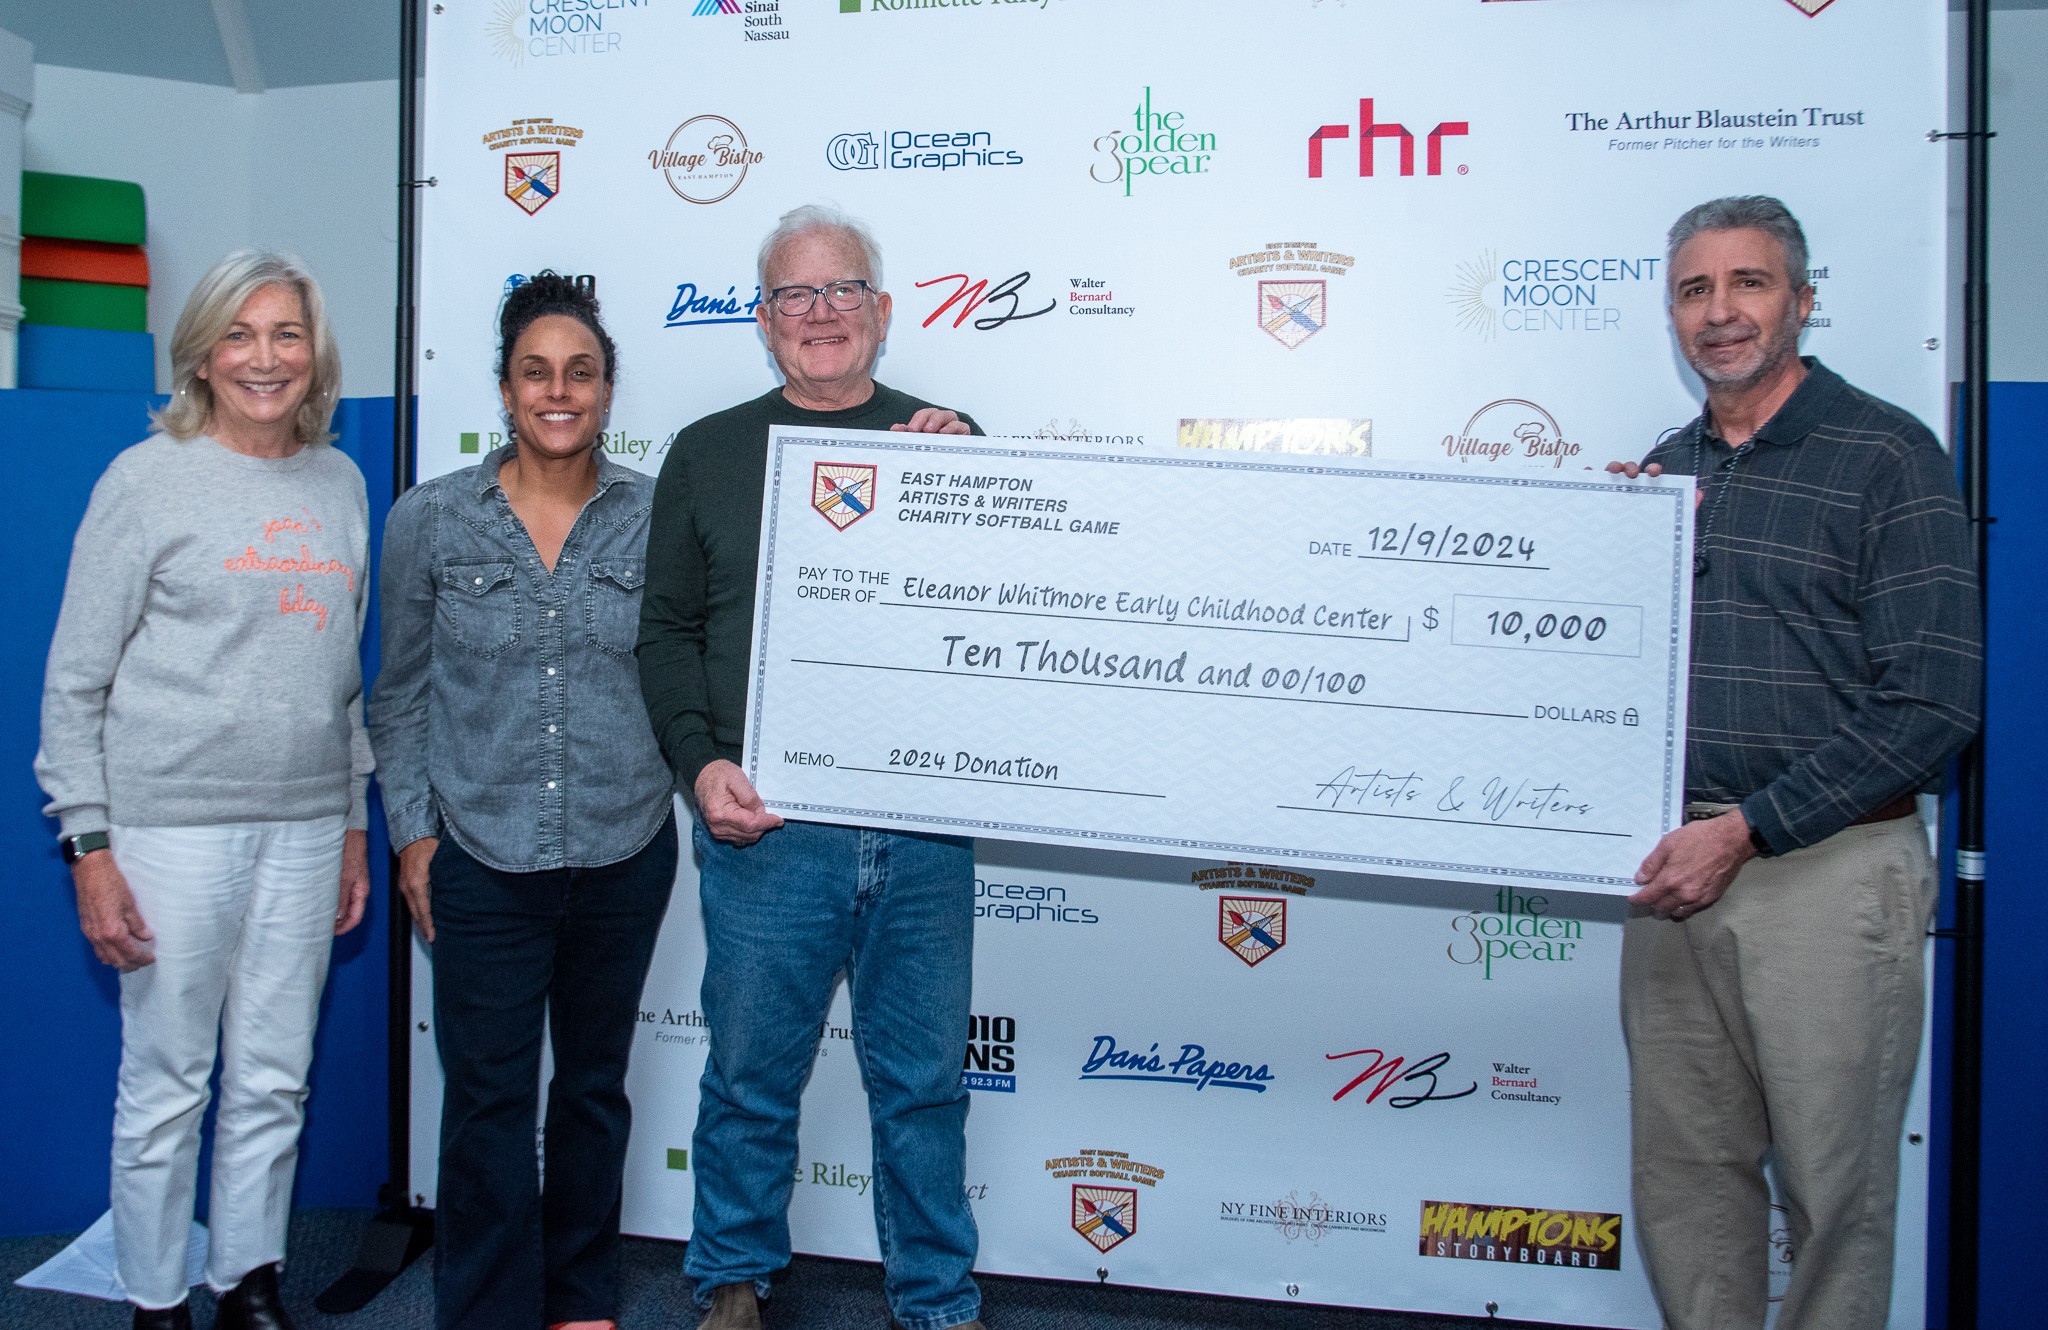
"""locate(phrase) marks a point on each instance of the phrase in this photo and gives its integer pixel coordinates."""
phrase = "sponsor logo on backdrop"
(1292, 309)
(676, 1027)
(1518, 930)
(1158, 143)
(763, 18)
(1191, 1065)
(1704, 128)
(1511, 429)
(839, 1176)
(946, 7)
(1252, 877)
(1105, 1201)
(1093, 295)
(705, 159)
(533, 159)
(1565, 294)
(991, 1054)
(696, 307)
(1382, 1071)
(1370, 130)
(584, 281)
(1572, 1239)
(1028, 903)
(1818, 319)
(1251, 927)
(1311, 436)
(1516, 1083)
(1005, 299)
(842, 492)
(616, 442)
(917, 150)
(1309, 1221)
(548, 28)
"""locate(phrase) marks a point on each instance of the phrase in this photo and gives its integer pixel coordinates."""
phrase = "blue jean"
(782, 918)
(571, 945)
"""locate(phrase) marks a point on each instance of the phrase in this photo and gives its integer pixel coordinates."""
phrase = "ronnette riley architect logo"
(548, 28)
(705, 159)
(1156, 143)
(843, 492)
(533, 159)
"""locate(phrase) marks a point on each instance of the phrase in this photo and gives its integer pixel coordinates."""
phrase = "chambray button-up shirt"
(507, 711)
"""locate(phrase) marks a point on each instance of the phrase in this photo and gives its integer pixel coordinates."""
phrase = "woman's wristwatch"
(74, 848)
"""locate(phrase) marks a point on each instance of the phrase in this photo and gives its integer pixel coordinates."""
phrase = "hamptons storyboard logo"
(1293, 287)
(1157, 144)
(1549, 294)
(544, 29)
(1190, 1065)
(1103, 1197)
(533, 159)
(1569, 1239)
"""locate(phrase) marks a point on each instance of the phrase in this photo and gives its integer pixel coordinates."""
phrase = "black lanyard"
(1704, 527)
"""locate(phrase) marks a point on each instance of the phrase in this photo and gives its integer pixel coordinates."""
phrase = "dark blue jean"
(571, 947)
(782, 918)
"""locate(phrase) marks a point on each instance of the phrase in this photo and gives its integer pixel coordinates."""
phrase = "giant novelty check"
(1395, 668)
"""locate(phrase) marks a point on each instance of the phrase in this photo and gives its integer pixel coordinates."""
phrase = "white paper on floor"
(87, 1265)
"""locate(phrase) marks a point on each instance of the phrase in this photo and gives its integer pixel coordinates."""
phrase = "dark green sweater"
(703, 550)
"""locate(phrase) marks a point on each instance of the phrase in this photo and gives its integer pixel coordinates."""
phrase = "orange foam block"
(84, 261)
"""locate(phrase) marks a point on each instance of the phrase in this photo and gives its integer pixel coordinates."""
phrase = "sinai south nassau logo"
(1370, 131)
(842, 492)
(533, 159)
(761, 20)
(547, 28)
(1157, 144)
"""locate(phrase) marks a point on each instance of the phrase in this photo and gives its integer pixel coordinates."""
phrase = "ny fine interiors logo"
(705, 159)
(533, 159)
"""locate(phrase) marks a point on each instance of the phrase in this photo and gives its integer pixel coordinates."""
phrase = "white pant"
(244, 920)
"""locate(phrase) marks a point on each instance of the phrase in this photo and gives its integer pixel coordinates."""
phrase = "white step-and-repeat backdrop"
(1102, 217)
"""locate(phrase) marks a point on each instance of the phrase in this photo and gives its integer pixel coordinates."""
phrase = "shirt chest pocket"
(479, 605)
(612, 612)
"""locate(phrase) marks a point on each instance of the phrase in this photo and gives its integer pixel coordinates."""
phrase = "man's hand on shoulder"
(1693, 865)
(732, 808)
(931, 420)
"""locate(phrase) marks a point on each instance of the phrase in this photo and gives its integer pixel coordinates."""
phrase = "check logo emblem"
(842, 492)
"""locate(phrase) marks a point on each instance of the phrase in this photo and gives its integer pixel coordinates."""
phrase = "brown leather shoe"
(733, 1307)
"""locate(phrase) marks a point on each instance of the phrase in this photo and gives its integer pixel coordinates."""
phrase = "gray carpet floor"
(815, 1294)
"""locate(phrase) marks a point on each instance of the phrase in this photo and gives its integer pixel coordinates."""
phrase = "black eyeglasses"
(846, 297)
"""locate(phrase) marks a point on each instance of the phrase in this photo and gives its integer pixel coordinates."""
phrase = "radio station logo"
(586, 282)
(1518, 930)
(1105, 1198)
(1291, 309)
(1005, 300)
(696, 307)
(991, 1054)
(1028, 903)
(705, 159)
(533, 159)
(1546, 295)
(918, 150)
(842, 492)
(1571, 1239)
(547, 28)
(1250, 877)
(1308, 1221)
(1381, 1071)
(1511, 429)
(1191, 1065)
(1251, 927)
(1370, 131)
(1158, 143)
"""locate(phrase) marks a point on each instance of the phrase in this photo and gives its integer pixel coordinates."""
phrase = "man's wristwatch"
(1759, 844)
(74, 848)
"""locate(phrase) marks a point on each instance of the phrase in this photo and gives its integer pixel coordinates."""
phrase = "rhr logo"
(1371, 131)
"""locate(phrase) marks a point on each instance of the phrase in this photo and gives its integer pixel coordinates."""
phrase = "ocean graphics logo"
(1544, 295)
(1252, 927)
(1308, 1221)
(991, 1054)
(970, 295)
(1028, 903)
(842, 492)
(1105, 1215)
(547, 28)
(917, 150)
(1159, 143)
(1518, 930)
(532, 178)
(705, 159)
(1372, 130)
(695, 307)
(1571, 1239)
(1511, 429)
(1191, 1066)
(1291, 309)
(1385, 1070)
(1104, 1193)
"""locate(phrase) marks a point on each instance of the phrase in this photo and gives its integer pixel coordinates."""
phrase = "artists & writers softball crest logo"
(843, 492)
(1253, 927)
(1105, 1215)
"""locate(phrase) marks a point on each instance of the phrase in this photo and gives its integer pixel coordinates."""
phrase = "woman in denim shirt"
(534, 817)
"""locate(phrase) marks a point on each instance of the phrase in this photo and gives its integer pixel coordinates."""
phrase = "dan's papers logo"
(843, 492)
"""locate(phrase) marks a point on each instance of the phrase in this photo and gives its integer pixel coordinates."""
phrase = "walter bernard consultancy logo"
(1103, 1202)
(991, 1054)
(543, 29)
(1511, 430)
(1190, 1065)
(1548, 294)
(1566, 1239)
(705, 159)
(1307, 1220)
(1518, 931)
(533, 150)
(1293, 297)
(1158, 144)
(918, 150)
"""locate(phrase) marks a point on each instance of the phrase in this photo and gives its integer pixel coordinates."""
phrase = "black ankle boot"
(253, 1304)
(164, 1318)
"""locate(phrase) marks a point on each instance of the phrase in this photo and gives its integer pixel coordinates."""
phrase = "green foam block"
(78, 207)
(85, 305)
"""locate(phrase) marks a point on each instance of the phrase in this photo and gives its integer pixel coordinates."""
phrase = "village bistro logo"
(1308, 1221)
(1005, 300)
(1158, 143)
(842, 492)
(1544, 294)
(1511, 429)
(1190, 1066)
(991, 1054)
(1293, 304)
(1251, 927)
(917, 150)
(533, 159)
(695, 307)
(1518, 930)
(1571, 1239)
(1370, 131)
(705, 159)
(546, 28)
(1104, 1192)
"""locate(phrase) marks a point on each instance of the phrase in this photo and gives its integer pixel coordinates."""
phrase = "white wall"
(2019, 195)
(306, 169)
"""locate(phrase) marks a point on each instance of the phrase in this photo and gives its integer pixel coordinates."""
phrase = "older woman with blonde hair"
(203, 749)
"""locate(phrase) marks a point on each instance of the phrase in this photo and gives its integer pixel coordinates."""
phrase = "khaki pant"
(1784, 1019)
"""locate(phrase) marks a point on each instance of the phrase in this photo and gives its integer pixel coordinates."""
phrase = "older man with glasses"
(788, 906)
